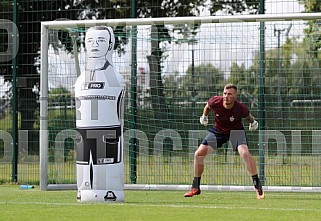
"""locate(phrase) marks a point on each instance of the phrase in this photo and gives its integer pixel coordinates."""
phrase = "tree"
(304, 80)
(33, 11)
(310, 6)
(206, 79)
(30, 14)
(160, 33)
(246, 80)
(241, 76)
(5, 6)
(233, 7)
(313, 31)
(5, 65)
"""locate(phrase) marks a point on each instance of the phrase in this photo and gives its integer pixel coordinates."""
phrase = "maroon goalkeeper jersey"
(228, 119)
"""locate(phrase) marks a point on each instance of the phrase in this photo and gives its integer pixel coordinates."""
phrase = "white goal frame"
(64, 24)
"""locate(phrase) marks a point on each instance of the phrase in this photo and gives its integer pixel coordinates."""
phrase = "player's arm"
(206, 110)
(253, 123)
(204, 117)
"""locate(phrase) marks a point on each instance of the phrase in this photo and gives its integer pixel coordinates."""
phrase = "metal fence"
(291, 106)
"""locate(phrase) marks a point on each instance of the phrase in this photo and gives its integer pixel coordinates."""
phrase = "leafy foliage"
(313, 31)
(234, 7)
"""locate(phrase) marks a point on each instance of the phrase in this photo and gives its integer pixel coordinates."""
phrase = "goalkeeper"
(228, 114)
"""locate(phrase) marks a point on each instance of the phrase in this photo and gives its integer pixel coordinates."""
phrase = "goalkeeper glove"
(204, 120)
(254, 125)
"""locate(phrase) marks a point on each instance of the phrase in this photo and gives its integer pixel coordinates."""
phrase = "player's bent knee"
(199, 157)
(201, 153)
(244, 151)
(245, 155)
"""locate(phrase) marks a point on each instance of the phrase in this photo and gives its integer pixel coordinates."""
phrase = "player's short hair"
(231, 86)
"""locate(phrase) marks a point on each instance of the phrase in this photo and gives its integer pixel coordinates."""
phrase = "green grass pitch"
(36, 205)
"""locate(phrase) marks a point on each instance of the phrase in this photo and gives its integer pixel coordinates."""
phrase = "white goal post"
(58, 69)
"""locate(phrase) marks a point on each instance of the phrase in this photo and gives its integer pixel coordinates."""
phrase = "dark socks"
(196, 182)
(256, 181)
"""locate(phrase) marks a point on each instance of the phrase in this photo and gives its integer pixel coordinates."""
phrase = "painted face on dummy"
(97, 43)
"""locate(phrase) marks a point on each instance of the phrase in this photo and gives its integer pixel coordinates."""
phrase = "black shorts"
(216, 139)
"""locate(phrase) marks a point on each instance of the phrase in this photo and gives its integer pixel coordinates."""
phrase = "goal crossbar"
(59, 24)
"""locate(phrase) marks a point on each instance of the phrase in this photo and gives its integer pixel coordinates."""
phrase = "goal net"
(171, 67)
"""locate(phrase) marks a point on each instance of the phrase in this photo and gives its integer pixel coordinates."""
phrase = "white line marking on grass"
(223, 207)
(42, 203)
(163, 206)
